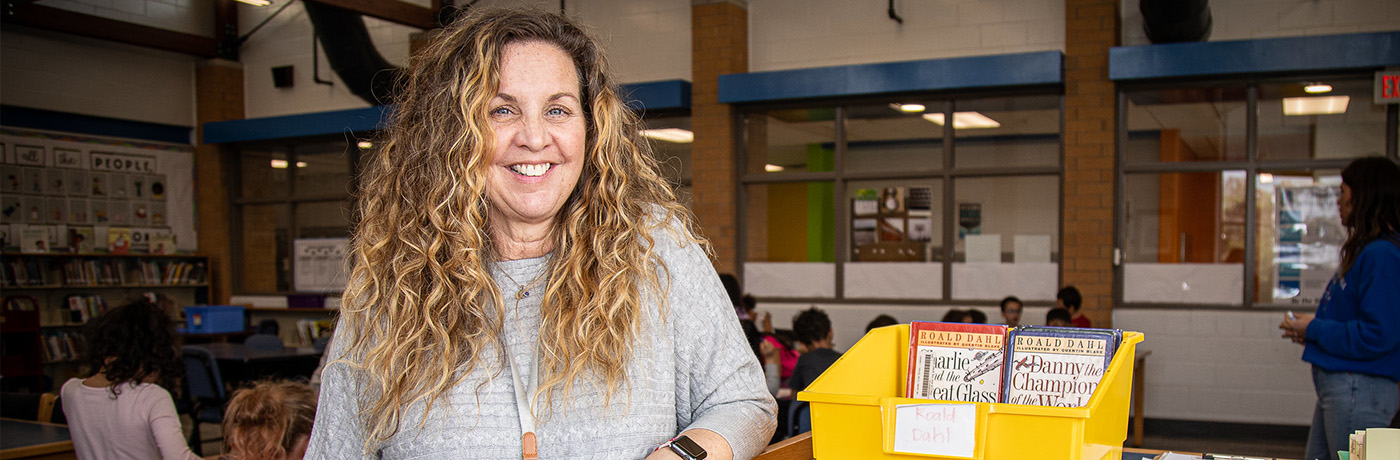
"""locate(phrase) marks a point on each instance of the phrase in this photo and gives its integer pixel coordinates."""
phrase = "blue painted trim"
(652, 96)
(1369, 51)
(997, 71)
(289, 126)
(22, 117)
(657, 96)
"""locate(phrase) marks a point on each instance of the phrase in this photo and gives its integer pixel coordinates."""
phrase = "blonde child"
(270, 420)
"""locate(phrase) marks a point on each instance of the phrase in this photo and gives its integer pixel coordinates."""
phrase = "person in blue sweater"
(1353, 341)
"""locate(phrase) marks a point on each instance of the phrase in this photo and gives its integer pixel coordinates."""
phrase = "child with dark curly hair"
(270, 420)
(123, 411)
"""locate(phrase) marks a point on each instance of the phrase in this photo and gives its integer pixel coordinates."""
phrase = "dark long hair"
(139, 340)
(1375, 204)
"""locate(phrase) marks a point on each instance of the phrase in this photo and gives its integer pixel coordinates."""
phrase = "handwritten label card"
(948, 430)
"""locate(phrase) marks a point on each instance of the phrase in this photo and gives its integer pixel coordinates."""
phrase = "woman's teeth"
(534, 170)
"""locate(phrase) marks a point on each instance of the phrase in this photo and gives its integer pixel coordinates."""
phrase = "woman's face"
(1344, 203)
(540, 133)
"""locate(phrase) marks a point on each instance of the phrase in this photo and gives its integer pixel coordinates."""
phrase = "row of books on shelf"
(19, 271)
(83, 307)
(1031, 365)
(63, 346)
(39, 239)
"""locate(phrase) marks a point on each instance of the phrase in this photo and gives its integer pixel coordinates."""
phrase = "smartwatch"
(686, 448)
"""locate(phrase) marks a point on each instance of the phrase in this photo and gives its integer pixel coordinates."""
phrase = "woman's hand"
(767, 323)
(1296, 328)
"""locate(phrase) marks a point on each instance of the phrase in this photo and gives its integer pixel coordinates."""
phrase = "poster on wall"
(320, 264)
(969, 219)
(31, 155)
(1307, 242)
(69, 158)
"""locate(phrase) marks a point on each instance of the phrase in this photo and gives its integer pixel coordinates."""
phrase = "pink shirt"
(140, 424)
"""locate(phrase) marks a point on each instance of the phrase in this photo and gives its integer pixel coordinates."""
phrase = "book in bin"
(955, 361)
(1057, 367)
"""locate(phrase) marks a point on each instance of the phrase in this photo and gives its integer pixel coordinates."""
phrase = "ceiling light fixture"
(677, 135)
(1325, 105)
(1317, 88)
(365, 145)
(964, 120)
(256, 2)
(907, 108)
(279, 164)
(773, 168)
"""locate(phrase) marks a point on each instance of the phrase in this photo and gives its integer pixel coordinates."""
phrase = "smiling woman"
(512, 167)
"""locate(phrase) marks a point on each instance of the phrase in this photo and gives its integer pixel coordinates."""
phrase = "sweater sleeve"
(165, 427)
(337, 432)
(727, 392)
(1375, 331)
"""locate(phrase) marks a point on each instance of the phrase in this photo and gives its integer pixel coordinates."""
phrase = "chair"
(799, 418)
(264, 342)
(204, 388)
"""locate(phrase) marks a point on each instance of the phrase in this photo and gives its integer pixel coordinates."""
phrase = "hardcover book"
(955, 361)
(1059, 367)
(119, 240)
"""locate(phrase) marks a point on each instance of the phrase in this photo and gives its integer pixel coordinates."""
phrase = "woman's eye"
(556, 111)
(501, 111)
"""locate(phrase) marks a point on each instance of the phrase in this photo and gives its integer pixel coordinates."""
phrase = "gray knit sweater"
(690, 369)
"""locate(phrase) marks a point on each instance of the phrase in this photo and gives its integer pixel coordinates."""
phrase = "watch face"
(686, 448)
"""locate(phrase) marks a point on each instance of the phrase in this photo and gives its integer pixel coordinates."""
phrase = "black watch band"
(686, 448)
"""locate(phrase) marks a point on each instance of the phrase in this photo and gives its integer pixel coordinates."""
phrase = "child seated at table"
(270, 420)
(123, 410)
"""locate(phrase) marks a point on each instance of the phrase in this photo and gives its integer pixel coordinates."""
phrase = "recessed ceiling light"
(365, 145)
(279, 164)
(773, 168)
(907, 108)
(1325, 105)
(677, 135)
(1317, 88)
(256, 2)
(964, 120)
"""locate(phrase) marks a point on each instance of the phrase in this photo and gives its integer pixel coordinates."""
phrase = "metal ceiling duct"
(351, 53)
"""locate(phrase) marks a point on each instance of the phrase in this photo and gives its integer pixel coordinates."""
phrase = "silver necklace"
(523, 290)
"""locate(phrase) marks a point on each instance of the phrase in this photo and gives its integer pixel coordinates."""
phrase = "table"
(35, 440)
(237, 363)
(1139, 380)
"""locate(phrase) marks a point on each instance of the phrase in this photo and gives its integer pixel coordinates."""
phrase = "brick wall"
(719, 32)
(1091, 28)
(218, 97)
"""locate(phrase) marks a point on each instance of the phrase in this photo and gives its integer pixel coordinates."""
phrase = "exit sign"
(1387, 87)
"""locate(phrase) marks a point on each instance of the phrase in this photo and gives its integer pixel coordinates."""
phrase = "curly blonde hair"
(421, 306)
(265, 420)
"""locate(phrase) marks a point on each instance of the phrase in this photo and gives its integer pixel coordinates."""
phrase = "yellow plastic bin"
(853, 403)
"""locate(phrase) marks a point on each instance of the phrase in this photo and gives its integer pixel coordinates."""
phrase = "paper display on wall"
(320, 264)
(1031, 249)
(984, 248)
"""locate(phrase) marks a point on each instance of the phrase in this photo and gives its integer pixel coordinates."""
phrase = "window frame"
(946, 174)
(1251, 165)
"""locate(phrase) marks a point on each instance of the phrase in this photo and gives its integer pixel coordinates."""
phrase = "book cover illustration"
(1057, 367)
(34, 240)
(80, 239)
(955, 361)
(119, 240)
(163, 242)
